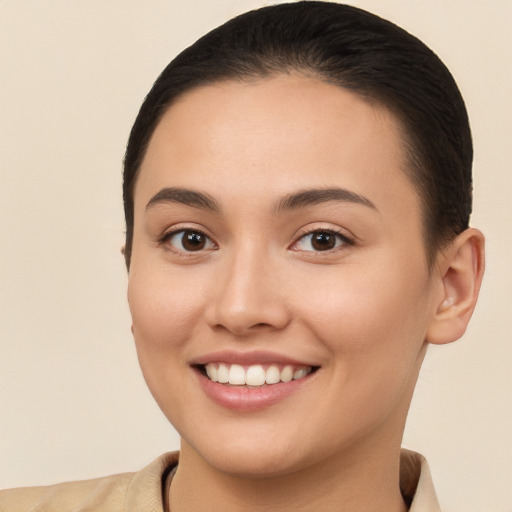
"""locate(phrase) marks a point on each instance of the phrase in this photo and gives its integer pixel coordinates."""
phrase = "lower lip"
(243, 398)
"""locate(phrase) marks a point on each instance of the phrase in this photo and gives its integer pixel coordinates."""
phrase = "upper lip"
(248, 358)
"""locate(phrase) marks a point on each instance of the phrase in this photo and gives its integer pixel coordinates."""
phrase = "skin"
(362, 312)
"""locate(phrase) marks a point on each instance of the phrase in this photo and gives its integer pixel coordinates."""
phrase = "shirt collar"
(416, 483)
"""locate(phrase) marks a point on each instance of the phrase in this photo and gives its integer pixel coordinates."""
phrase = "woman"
(297, 196)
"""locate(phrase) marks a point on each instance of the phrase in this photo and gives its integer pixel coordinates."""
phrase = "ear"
(461, 268)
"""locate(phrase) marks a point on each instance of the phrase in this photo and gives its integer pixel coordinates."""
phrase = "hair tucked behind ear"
(351, 48)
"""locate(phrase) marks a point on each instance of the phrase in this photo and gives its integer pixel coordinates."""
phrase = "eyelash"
(167, 237)
(342, 238)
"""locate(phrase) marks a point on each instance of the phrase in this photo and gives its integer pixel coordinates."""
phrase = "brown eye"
(189, 241)
(318, 241)
(323, 241)
(193, 241)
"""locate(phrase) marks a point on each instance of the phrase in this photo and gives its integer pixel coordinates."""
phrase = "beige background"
(73, 403)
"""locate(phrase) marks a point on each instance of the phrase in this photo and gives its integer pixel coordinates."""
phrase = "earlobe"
(462, 268)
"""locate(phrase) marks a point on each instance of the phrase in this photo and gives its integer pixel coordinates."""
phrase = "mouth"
(254, 380)
(255, 375)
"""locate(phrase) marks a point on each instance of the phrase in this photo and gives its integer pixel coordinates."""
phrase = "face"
(279, 286)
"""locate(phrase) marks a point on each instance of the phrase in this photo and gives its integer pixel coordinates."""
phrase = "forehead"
(276, 134)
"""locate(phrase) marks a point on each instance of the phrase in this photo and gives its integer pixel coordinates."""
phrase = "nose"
(248, 298)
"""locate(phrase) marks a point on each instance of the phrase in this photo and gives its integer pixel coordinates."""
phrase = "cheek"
(374, 333)
(370, 322)
(162, 306)
(164, 315)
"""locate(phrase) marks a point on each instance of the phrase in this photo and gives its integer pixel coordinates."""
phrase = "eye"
(321, 240)
(188, 240)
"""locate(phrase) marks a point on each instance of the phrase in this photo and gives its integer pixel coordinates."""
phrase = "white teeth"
(273, 375)
(237, 375)
(222, 374)
(287, 374)
(211, 371)
(254, 375)
(298, 374)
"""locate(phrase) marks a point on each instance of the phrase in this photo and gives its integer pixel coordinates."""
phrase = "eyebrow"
(304, 198)
(184, 196)
(297, 200)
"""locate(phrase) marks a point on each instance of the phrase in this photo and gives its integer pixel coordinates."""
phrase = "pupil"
(323, 241)
(193, 241)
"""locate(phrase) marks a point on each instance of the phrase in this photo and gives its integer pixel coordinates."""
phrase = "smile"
(256, 375)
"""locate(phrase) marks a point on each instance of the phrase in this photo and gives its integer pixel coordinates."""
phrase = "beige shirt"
(146, 490)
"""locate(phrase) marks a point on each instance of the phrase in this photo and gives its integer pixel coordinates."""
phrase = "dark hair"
(351, 48)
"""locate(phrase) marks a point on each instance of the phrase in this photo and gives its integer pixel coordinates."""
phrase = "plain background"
(73, 403)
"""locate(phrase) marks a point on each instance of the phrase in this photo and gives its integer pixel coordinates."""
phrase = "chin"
(250, 458)
(253, 464)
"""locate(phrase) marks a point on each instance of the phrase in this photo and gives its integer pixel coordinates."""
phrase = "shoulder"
(116, 493)
(108, 491)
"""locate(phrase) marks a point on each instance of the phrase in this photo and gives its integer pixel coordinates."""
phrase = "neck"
(361, 481)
